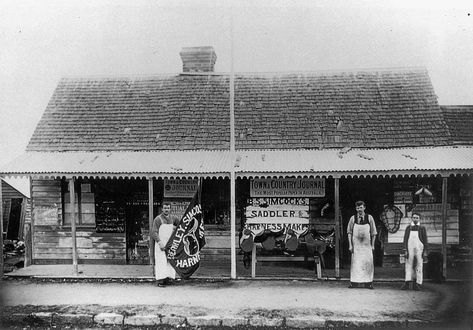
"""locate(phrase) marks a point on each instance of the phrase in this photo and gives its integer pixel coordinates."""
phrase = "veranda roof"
(246, 163)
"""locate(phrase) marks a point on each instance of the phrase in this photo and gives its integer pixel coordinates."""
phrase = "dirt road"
(437, 302)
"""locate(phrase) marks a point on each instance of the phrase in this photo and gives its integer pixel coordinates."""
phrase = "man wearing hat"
(415, 247)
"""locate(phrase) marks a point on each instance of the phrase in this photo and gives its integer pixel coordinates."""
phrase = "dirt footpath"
(446, 302)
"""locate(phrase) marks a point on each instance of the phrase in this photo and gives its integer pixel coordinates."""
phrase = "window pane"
(88, 208)
(68, 209)
(88, 218)
(67, 219)
(87, 198)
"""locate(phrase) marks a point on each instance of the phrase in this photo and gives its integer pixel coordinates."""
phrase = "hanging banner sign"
(183, 248)
(182, 188)
(288, 187)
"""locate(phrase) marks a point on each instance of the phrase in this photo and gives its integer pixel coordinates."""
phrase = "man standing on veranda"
(361, 238)
(415, 247)
(164, 226)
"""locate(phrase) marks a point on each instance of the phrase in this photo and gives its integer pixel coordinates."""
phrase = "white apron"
(362, 268)
(415, 262)
(162, 268)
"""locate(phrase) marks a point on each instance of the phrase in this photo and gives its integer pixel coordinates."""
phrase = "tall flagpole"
(232, 157)
(1, 230)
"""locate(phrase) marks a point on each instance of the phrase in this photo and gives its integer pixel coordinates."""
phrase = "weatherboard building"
(307, 146)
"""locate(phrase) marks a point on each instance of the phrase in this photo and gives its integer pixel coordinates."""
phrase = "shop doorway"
(375, 193)
(122, 207)
(14, 218)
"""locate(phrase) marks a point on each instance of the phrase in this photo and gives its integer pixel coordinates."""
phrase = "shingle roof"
(459, 119)
(379, 109)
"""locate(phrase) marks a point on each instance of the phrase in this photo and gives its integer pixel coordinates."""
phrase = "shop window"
(216, 204)
(84, 203)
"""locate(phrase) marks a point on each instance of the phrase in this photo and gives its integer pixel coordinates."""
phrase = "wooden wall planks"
(52, 242)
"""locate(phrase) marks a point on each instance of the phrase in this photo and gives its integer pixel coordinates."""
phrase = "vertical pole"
(151, 218)
(337, 227)
(233, 158)
(253, 261)
(233, 224)
(444, 227)
(72, 195)
(21, 229)
(30, 243)
(27, 235)
(1, 230)
(200, 191)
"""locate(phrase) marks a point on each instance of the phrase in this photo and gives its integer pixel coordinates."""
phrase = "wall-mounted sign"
(110, 217)
(277, 211)
(424, 199)
(403, 184)
(180, 188)
(266, 201)
(403, 197)
(287, 187)
(46, 215)
(299, 225)
(179, 208)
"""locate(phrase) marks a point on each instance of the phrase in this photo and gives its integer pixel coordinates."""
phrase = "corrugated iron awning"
(124, 164)
(354, 162)
(248, 163)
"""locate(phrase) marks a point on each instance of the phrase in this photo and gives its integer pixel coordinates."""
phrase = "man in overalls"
(361, 232)
(415, 247)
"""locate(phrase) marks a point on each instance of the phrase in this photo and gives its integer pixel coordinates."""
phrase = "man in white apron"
(163, 227)
(361, 232)
(415, 247)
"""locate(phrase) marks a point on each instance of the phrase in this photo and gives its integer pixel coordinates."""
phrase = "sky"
(42, 41)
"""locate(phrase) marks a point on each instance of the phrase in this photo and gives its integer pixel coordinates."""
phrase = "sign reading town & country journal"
(180, 188)
(288, 187)
(282, 204)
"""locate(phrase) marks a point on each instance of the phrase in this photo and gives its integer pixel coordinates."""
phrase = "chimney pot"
(198, 59)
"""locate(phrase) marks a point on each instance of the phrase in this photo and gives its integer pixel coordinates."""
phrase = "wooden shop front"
(112, 216)
(445, 205)
(273, 194)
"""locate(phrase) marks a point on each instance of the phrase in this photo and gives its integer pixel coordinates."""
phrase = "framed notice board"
(110, 217)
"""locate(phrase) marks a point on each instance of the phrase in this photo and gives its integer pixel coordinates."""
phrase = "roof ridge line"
(124, 151)
(224, 73)
(362, 148)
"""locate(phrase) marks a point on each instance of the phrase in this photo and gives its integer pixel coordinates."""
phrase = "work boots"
(417, 287)
(410, 285)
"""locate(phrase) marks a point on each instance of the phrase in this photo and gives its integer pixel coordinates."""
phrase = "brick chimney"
(198, 59)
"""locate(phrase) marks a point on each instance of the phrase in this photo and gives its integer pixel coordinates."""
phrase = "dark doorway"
(13, 226)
